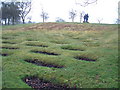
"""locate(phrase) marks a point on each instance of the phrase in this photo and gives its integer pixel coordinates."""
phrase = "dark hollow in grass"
(36, 45)
(31, 40)
(44, 52)
(8, 42)
(3, 54)
(59, 42)
(10, 48)
(73, 49)
(6, 38)
(40, 63)
(84, 58)
(40, 84)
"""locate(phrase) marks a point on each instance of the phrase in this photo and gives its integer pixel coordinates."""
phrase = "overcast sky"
(103, 9)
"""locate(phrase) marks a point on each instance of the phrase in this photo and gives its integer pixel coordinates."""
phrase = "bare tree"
(25, 7)
(44, 15)
(85, 3)
(99, 20)
(72, 14)
(81, 15)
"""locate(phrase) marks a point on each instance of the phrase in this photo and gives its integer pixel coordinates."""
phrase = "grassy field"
(72, 54)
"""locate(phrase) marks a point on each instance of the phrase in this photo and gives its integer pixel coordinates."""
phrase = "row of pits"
(48, 53)
(34, 81)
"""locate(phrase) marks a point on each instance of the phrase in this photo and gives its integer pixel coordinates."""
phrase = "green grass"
(100, 44)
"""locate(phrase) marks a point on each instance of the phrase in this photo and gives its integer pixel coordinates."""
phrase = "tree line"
(14, 12)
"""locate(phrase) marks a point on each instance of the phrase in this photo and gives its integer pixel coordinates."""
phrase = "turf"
(87, 52)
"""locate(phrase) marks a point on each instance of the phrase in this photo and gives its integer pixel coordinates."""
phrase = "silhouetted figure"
(86, 18)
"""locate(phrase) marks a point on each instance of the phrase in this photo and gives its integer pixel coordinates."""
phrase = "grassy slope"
(98, 42)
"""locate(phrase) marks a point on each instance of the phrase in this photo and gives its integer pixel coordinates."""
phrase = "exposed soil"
(43, 52)
(84, 58)
(9, 48)
(8, 42)
(36, 45)
(40, 63)
(64, 26)
(68, 26)
(40, 84)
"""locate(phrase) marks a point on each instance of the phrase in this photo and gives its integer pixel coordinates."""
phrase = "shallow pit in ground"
(4, 54)
(6, 38)
(36, 45)
(10, 48)
(39, 84)
(6, 42)
(84, 58)
(45, 52)
(74, 49)
(41, 63)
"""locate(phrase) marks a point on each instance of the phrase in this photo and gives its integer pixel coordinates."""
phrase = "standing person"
(87, 18)
(84, 18)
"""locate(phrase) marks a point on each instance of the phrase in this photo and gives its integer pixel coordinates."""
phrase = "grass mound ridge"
(60, 42)
(72, 48)
(41, 63)
(78, 73)
(35, 82)
(31, 40)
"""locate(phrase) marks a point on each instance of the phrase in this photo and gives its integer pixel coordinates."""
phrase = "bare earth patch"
(67, 26)
(41, 84)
